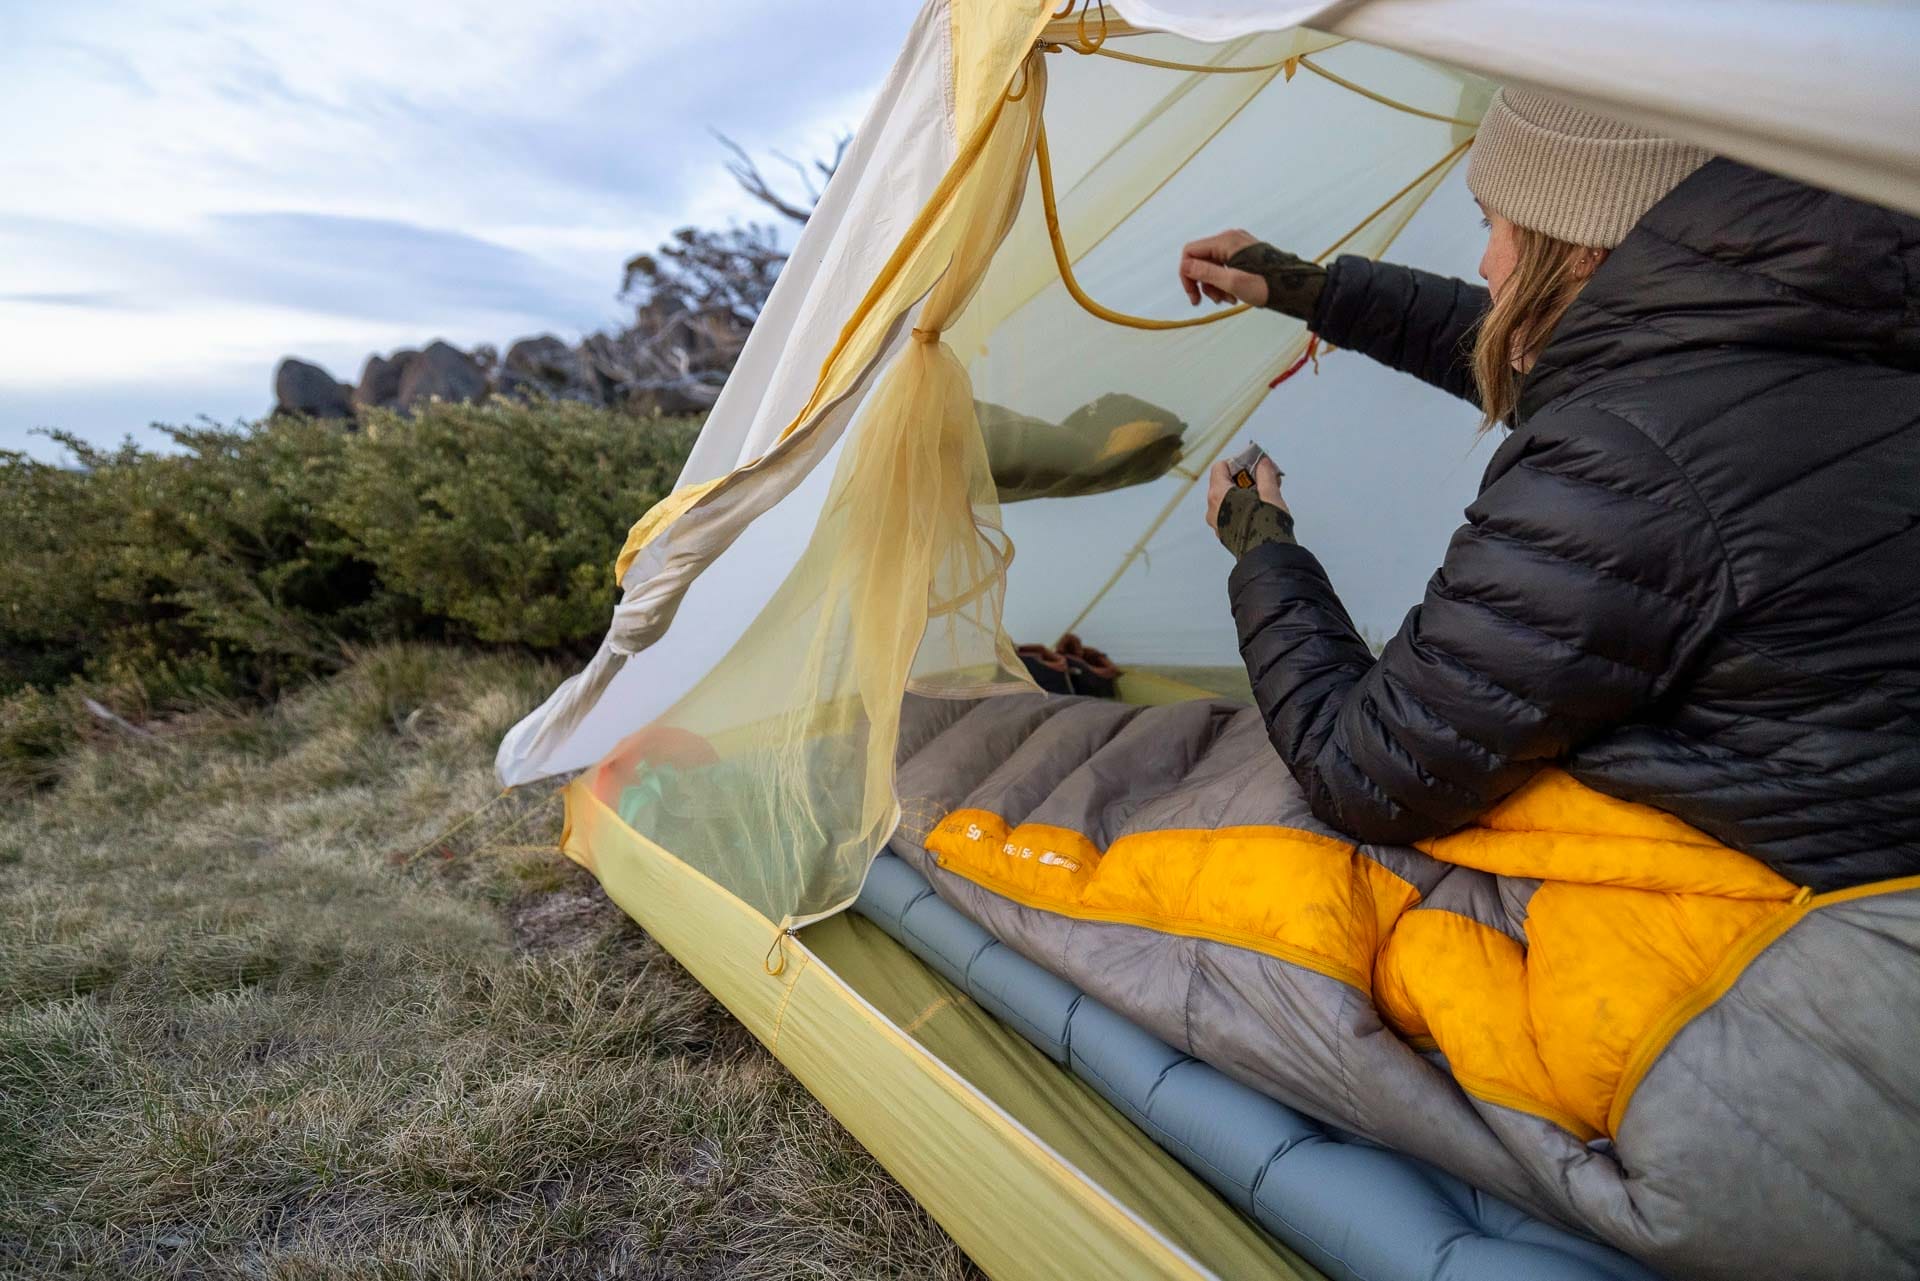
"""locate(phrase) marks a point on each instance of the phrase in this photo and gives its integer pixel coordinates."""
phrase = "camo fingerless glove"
(1247, 521)
(1293, 283)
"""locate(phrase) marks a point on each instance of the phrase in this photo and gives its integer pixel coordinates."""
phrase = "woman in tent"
(1692, 574)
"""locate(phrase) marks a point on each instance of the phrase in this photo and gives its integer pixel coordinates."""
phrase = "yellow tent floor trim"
(1030, 1171)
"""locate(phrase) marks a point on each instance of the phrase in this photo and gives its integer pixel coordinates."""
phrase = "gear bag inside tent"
(977, 408)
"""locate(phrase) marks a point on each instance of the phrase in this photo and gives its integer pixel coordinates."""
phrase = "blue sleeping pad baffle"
(1356, 1211)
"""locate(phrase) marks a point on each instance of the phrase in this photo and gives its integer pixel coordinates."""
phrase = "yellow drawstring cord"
(1382, 98)
(1092, 45)
(1043, 158)
(1050, 208)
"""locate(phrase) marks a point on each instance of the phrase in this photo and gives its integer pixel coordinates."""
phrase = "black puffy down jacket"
(1692, 574)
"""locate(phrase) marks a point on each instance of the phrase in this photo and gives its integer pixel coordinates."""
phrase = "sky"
(195, 189)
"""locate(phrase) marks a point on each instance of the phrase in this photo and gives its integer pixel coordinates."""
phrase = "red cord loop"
(1312, 353)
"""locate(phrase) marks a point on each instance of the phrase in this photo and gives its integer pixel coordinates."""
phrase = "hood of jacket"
(1737, 257)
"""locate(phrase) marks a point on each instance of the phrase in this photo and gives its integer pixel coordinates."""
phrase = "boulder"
(441, 372)
(543, 362)
(380, 380)
(302, 388)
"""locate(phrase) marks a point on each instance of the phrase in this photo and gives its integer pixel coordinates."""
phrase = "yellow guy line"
(1443, 162)
(1285, 64)
(1063, 261)
(1382, 99)
(446, 835)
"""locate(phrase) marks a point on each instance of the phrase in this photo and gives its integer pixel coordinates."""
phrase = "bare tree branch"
(755, 184)
(806, 177)
(747, 174)
(828, 168)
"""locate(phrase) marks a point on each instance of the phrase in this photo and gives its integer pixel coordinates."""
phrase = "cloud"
(430, 112)
(333, 264)
(73, 298)
(384, 268)
(226, 183)
(221, 300)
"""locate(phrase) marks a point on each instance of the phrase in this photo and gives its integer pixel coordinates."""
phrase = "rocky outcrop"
(672, 360)
(303, 388)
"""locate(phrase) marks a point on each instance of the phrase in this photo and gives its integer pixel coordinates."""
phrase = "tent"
(996, 254)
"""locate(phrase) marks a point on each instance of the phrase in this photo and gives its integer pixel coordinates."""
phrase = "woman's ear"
(1588, 261)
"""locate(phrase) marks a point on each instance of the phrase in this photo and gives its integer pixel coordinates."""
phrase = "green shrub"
(214, 556)
(36, 729)
(251, 557)
(504, 519)
(50, 602)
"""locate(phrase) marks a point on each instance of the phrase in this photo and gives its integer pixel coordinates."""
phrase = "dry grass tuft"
(242, 1035)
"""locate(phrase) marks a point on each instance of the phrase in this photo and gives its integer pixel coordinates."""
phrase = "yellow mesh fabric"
(773, 773)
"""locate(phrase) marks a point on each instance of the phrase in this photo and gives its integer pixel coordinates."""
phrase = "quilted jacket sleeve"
(1585, 582)
(1410, 320)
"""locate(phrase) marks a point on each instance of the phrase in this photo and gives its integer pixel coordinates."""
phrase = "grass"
(243, 1034)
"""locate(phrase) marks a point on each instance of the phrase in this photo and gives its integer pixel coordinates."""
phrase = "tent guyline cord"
(1086, 44)
(482, 808)
(1286, 67)
(1311, 354)
(1044, 160)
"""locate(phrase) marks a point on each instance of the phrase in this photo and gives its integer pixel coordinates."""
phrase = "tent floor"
(1352, 1209)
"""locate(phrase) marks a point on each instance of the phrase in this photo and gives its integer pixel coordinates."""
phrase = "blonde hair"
(1547, 275)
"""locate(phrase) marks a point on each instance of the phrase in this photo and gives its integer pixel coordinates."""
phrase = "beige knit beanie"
(1573, 174)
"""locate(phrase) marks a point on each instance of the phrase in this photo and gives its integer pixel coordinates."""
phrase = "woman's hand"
(1203, 271)
(1266, 483)
(1245, 519)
